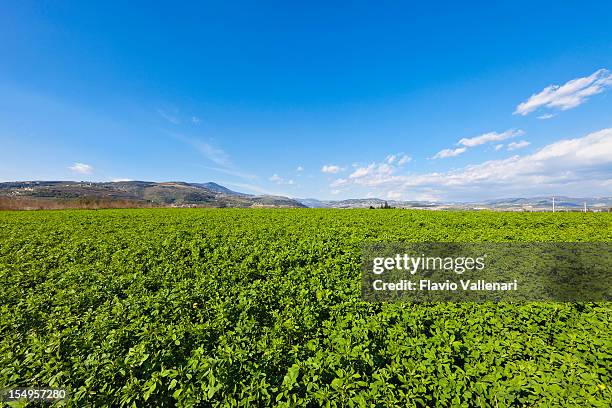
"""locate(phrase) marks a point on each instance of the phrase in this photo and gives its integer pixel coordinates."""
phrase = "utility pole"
(553, 204)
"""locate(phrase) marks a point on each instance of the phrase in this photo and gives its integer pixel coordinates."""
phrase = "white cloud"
(431, 196)
(580, 166)
(490, 137)
(498, 146)
(518, 145)
(404, 159)
(118, 180)
(394, 195)
(275, 178)
(398, 158)
(468, 142)
(547, 116)
(443, 154)
(331, 169)
(299, 168)
(569, 95)
(195, 120)
(382, 168)
(81, 168)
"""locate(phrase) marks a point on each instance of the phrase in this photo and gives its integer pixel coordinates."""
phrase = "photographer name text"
(413, 264)
(428, 285)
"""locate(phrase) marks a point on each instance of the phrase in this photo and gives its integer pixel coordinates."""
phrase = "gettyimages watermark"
(429, 272)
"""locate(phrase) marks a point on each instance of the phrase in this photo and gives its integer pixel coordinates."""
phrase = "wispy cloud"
(469, 142)
(398, 158)
(81, 168)
(216, 155)
(252, 188)
(547, 116)
(340, 182)
(490, 137)
(223, 164)
(210, 152)
(443, 154)
(404, 159)
(170, 117)
(233, 172)
(569, 95)
(518, 145)
(195, 120)
(331, 169)
(498, 146)
(572, 166)
(299, 168)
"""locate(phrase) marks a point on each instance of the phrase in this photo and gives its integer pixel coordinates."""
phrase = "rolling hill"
(73, 194)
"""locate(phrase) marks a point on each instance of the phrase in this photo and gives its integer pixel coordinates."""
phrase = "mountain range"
(73, 194)
(562, 203)
(128, 194)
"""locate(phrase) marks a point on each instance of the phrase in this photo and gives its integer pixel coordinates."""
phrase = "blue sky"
(444, 101)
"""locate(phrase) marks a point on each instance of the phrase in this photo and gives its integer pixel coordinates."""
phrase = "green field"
(228, 307)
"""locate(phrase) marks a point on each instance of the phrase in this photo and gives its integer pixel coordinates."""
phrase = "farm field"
(244, 307)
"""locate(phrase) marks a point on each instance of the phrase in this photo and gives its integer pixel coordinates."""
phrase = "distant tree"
(384, 206)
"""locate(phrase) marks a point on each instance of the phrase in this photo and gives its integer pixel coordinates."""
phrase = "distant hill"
(312, 202)
(21, 195)
(73, 194)
(361, 203)
(560, 201)
(505, 204)
(217, 188)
